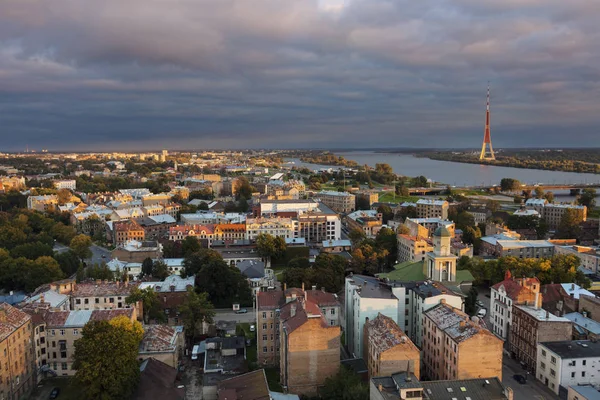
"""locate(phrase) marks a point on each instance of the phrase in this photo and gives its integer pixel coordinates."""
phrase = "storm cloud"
(141, 74)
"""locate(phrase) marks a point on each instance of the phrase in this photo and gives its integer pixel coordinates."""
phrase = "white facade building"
(70, 184)
(568, 363)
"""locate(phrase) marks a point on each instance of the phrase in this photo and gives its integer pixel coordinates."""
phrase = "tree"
(150, 302)
(587, 198)
(299, 262)
(509, 185)
(160, 270)
(243, 188)
(539, 192)
(403, 230)
(402, 190)
(147, 265)
(407, 212)
(195, 310)
(463, 220)
(386, 239)
(190, 245)
(471, 302)
(270, 247)
(569, 225)
(63, 233)
(362, 203)
(549, 196)
(68, 261)
(518, 199)
(386, 213)
(80, 245)
(357, 235)
(107, 375)
(345, 385)
(63, 196)
(493, 205)
(32, 250)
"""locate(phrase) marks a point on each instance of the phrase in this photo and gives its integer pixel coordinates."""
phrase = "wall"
(313, 355)
(480, 357)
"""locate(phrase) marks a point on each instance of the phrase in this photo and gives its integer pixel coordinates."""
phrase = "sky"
(191, 74)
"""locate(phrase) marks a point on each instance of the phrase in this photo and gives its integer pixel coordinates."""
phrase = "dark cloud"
(113, 74)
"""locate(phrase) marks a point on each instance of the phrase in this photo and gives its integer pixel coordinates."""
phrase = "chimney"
(442, 301)
(314, 287)
(303, 286)
(547, 315)
(462, 324)
(572, 286)
(380, 387)
(323, 289)
(42, 298)
(293, 310)
(284, 286)
(98, 281)
(3, 316)
(537, 302)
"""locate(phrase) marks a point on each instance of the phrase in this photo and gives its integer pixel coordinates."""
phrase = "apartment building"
(591, 306)
(568, 363)
(432, 208)
(367, 221)
(64, 328)
(70, 184)
(412, 248)
(200, 232)
(103, 295)
(454, 347)
(230, 233)
(17, 357)
(155, 199)
(309, 345)
(523, 248)
(268, 307)
(367, 197)
(388, 350)
(42, 203)
(530, 326)
(590, 259)
(553, 213)
(511, 291)
(171, 294)
(127, 230)
(278, 227)
(402, 386)
(425, 227)
(340, 202)
(136, 251)
(318, 226)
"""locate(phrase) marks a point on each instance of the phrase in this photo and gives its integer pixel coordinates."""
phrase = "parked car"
(242, 311)
(480, 303)
(54, 393)
(482, 313)
(252, 328)
(520, 378)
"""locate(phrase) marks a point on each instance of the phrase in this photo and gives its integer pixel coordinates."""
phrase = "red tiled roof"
(322, 298)
(513, 288)
(107, 315)
(11, 319)
(269, 300)
(57, 318)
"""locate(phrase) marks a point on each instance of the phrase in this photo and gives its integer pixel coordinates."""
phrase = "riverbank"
(512, 162)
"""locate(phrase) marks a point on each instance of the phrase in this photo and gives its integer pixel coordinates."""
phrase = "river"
(457, 174)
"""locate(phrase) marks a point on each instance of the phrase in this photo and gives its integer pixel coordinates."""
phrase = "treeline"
(559, 268)
(521, 160)
(328, 159)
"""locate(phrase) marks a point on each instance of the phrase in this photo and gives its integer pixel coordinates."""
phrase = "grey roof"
(442, 231)
(406, 380)
(372, 288)
(475, 389)
(251, 268)
(78, 318)
(586, 323)
(574, 348)
(587, 391)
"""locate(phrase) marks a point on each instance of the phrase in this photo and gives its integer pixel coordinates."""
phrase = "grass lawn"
(251, 355)
(594, 213)
(388, 197)
(273, 379)
(244, 329)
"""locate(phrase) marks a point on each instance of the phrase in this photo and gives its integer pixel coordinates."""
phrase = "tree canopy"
(107, 375)
(195, 310)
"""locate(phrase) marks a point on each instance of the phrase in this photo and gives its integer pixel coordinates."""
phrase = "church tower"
(440, 265)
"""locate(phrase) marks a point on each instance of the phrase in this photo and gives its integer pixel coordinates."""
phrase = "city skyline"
(297, 74)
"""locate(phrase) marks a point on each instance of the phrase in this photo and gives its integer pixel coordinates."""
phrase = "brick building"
(268, 308)
(454, 347)
(530, 326)
(368, 221)
(309, 346)
(17, 367)
(432, 208)
(340, 202)
(388, 350)
(127, 230)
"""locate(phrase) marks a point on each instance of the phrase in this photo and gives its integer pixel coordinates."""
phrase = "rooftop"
(370, 287)
(473, 389)
(587, 391)
(11, 319)
(250, 386)
(160, 338)
(157, 382)
(540, 314)
(172, 283)
(432, 202)
(584, 322)
(454, 323)
(100, 289)
(575, 290)
(568, 349)
(384, 333)
(520, 244)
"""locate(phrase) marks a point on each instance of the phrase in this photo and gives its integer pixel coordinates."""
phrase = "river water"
(458, 174)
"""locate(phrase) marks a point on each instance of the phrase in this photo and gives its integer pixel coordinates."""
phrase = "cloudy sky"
(179, 74)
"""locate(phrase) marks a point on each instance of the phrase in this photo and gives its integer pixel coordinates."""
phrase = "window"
(583, 374)
(583, 362)
(332, 311)
(63, 354)
(75, 332)
(64, 366)
(553, 359)
(264, 326)
(543, 353)
(62, 332)
(552, 372)
(78, 301)
(97, 300)
(572, 374)
(265, 349)
(264, 337)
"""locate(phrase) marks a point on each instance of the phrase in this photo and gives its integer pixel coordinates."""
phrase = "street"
(97, 253)
(533, 389)
(227, 314)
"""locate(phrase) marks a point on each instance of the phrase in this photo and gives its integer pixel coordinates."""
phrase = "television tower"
(487, 137)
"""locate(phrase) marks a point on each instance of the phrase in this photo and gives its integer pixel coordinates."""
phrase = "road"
(533, 389)
(97, 253)
(230, 315)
